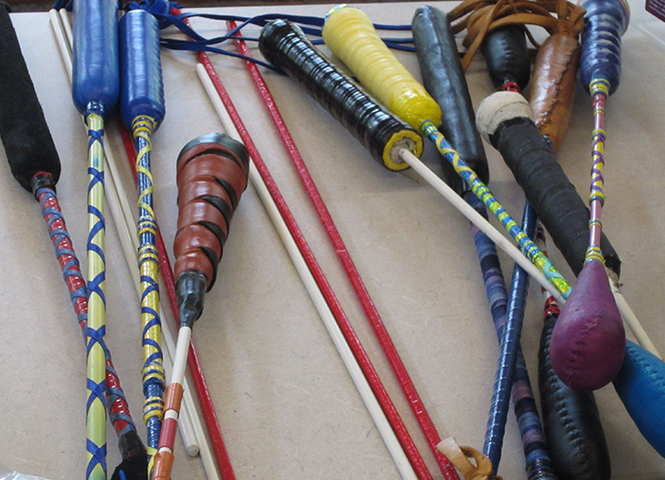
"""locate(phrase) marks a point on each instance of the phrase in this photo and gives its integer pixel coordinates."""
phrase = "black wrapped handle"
(382, 133)
(560, 208)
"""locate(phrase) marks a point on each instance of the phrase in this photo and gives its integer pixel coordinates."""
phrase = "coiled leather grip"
(212, 173)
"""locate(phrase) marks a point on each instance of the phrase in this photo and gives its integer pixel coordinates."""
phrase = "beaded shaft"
(148, 263)
(96, 356)
(599, 88)
(116, 403)
(525, 244)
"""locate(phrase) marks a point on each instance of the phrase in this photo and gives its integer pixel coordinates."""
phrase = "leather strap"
(483, 16)
(460, 455)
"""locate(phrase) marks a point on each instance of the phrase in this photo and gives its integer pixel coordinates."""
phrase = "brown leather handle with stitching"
(212, 173)
(553, 86)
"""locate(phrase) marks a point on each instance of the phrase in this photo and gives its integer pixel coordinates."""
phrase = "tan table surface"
(286, 405)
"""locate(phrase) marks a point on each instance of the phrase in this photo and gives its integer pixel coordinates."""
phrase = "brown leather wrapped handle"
(553, 86)
(212, 173)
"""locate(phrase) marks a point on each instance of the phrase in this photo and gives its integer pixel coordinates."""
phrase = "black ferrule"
(130, 444)
(42, 180)
(134, 465)
(190, 290)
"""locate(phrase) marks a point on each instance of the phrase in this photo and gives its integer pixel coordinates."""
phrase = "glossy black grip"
(560, 208)
(23, 129)
(575, 436)
(507, 57)
(286, 46)
(444, 79)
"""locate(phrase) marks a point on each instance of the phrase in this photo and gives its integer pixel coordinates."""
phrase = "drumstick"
(212, 174)
(35, 165)
(124, 221)
(383, 135)
(575, 435)
(351, 36)
(639, 381)
(377, 401)
(95, 93)
(142, 108)
(600, 72)
(444, 79)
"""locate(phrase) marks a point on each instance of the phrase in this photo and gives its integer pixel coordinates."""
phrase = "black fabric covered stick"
(559, 206)
(574, 433)
(444, 79)
(23, 129)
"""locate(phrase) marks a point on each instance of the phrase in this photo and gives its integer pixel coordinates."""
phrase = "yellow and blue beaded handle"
(350, 35)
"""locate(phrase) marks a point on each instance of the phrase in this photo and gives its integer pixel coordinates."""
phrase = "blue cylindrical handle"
(642, 390)
(95, 82)
(141, 86)
(605, 22)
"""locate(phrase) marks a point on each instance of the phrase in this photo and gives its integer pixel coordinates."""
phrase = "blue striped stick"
(538, 463)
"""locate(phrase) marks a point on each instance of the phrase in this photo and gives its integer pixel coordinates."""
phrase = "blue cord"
(193, 47)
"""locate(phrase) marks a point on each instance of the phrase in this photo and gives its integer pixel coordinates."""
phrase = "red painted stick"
(349, 334)
(409, 389)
